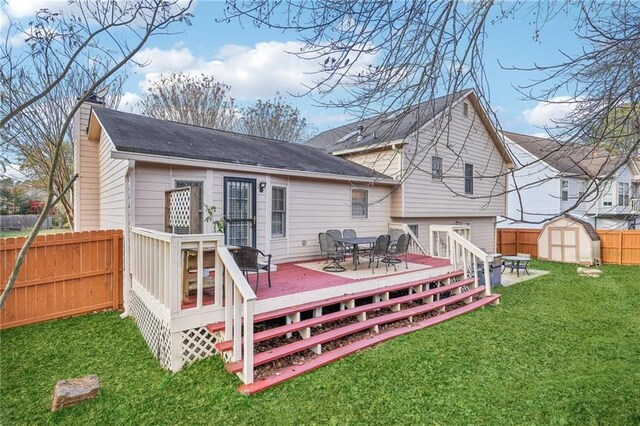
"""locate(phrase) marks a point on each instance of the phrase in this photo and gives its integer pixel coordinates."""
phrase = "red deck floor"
(291, 279)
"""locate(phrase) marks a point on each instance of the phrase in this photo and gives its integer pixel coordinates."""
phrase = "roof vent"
(390, 117)
(360, 130)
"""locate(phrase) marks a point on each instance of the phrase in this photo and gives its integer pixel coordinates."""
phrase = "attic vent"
(348, 136)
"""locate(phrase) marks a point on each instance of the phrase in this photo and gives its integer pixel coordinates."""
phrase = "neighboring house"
(550, 179)
(278, 196)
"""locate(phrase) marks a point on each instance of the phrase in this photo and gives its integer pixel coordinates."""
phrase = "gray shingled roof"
(144, 135)
(570, 158)
(383, 128)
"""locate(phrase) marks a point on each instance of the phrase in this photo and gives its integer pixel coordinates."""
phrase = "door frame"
(254, 205)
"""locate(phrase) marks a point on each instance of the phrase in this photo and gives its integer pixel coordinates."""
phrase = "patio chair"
(247, 259)
(378, 251)
(332, 253)
(349, 233)
(395, 235)
(395, 254)
(337, 235)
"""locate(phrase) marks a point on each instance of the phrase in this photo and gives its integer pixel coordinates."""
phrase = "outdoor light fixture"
(262, 186)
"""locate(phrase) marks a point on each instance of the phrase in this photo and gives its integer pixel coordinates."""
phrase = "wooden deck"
(291, 278)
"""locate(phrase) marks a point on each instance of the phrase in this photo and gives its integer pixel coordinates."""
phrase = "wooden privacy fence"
(63, 274)
(616, 247)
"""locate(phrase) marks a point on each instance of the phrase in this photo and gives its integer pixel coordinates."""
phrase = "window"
(468, 178)
(607, 199)
(359, 203)
(564, 194)
(436, 168)
(582, 188)
(414, 229)
(465, 109)
(198, 186)
(278, 212)
(623, 194)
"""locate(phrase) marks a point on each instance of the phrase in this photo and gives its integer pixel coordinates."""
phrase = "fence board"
(63, 274)
(620, 247)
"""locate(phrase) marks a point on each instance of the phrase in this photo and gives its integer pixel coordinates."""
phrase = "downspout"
(129, 188)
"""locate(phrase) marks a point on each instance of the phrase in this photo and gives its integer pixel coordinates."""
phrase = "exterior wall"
(540, 191)
(463, 140)
(111, 186)
(312, 206)
(483, 229)
(86, 201)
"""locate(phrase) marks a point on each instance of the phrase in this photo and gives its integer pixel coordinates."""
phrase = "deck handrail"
(461, 252)
(239, 307)
(414, 239)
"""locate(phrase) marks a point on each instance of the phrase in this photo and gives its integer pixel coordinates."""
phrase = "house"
(551, 179)
(440, 179)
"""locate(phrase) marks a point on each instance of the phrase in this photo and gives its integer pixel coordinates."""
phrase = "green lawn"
(26, 232)
(559, 349)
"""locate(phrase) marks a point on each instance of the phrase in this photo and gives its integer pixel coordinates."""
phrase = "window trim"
(366, 203)
(564, 190)
(465, 109)
(284, 212)
(434, 176)
(468, 179)
(607, 196)
(624, 194)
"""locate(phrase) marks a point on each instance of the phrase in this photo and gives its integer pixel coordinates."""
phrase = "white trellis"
(181, 210)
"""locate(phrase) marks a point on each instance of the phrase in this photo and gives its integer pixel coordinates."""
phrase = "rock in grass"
(73, 391)
(589, 272)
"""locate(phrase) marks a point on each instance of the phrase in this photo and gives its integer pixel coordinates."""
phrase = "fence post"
(115, 270)
(620, 236)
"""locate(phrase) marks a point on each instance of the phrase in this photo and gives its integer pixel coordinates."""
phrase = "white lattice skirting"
(185, 346)
(154, 331)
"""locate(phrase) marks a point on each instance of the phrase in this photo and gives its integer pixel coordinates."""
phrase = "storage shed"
(571, 240)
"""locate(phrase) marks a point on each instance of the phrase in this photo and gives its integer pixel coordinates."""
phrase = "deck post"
(237, 325)
(219, 280)
(228, 305)
(248, 342)
(175, 275)
(487, 278)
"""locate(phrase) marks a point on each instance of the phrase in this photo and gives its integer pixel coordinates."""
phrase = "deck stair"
(321, 332)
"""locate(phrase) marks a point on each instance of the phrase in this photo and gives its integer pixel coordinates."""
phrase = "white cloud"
(129, 102)
(25, 8)
(251, 71)
(546, 114)
(13, 171)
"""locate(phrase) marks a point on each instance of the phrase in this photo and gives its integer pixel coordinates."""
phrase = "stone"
(73, 391)
(589, 272)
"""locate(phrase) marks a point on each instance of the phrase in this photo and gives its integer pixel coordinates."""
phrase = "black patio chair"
(395, 235)
(248, 260)
(395, 254)
(332, 252)
(349, 233)
(378, 251)
(336, 234)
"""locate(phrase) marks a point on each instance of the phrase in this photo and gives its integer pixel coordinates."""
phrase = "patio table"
(356, 242)
(511, 261)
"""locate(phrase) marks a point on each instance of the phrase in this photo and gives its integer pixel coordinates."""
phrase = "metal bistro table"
(356, 242)
(511, 261)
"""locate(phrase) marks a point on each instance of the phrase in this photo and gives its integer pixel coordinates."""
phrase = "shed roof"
(589, 229)
(135, 133)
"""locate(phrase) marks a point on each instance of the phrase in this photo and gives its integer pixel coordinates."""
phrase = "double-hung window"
(468, 178)
(436, 168)
(623, 194)
(607, 198)
(564, 193)
(278, 212)
(359, 203)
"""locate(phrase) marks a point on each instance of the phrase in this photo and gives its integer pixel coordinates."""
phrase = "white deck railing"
(452, 242)
(414, 244)
(239, 301)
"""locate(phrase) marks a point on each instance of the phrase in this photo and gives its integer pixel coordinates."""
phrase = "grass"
(560, 349)
(26, 232)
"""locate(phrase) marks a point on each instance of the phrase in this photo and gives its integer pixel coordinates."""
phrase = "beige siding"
(111, 186)
(464, 140)
(86, 164)
(313, 206)
(483, 229)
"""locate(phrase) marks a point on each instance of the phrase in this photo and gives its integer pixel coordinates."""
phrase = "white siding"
(483, 229)
(463, 140)
(111, 186)
(539, 191)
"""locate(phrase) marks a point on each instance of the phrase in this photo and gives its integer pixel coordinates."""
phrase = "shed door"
(563, 244)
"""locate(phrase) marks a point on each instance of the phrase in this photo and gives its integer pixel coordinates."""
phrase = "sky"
(256, 64)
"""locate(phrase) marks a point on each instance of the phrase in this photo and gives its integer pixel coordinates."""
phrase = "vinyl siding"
(111, 186)
(86, 164)
(483, 229)
(463, 140)
(538, 191)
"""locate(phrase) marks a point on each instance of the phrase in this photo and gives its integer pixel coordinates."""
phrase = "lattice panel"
(196, 344)
(154, 331)
(179, 208)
